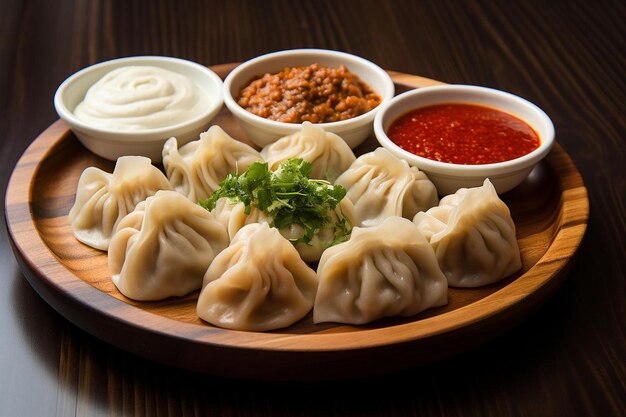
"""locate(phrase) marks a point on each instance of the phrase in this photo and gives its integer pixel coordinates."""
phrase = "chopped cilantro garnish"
(288, 195)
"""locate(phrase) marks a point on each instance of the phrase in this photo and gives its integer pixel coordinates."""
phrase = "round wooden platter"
(550, 210)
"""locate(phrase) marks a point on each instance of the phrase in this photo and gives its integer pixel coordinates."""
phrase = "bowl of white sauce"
(131, 106)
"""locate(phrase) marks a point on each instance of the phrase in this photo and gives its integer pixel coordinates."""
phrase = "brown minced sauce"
(313, 93)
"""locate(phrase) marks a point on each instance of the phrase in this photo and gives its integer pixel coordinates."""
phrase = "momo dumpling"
(257, 283)
(328, 153)
(164, 247)
(311, 213)
(342, 218)
(382, 271)
(197, 168)
(103, 199)
(381, 185)
(473, 236)
(233, 216)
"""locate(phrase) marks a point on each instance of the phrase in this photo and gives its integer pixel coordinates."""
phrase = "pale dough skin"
(382, 271)
(103, 199)
(380, 186)
(163, 248)
(197, 168)
(328, 154)
(473, 236)
(258, 283)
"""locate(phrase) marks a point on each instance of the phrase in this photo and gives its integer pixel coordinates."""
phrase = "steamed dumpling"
(233, 216)
(197, 168)
(258, 283)
(103, 199)
(328, 153)
(381, 185)
(164, 247)
(473, 236)
(323, 239)
(382, 271)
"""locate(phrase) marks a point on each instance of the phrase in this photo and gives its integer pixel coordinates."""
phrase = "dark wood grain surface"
(567, 359)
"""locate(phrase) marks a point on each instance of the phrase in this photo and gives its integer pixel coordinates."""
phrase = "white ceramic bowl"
(262, 131)
(111, 144)
(449, 177)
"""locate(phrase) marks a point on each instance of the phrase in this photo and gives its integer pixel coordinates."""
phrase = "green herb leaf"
(288, 195)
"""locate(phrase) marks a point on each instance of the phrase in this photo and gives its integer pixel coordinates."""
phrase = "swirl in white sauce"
(135, 98)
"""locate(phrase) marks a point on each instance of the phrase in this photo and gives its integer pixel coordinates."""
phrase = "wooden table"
(566, 359)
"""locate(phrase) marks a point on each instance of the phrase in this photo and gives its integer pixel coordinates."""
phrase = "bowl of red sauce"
(459, 135)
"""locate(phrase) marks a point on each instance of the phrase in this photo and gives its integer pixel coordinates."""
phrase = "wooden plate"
(550, 210)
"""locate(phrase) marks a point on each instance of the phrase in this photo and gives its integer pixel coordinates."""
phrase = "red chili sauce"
(466, 134)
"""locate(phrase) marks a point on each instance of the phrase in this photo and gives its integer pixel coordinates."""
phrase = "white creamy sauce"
(141, 97)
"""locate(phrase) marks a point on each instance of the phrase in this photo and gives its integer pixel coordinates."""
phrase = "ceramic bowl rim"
(146, 135)
(240, 112)
(464, 91)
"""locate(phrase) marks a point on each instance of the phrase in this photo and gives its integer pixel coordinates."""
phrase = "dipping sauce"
(313, 93)
(141, 97)
(465, 134)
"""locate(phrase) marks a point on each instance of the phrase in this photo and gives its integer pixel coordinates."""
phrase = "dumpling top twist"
(164, 247)
(328, 154)
(473, 236)
(381, 185)
(197, 168)
(382, 271)
(258, 283)
(103, 199)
